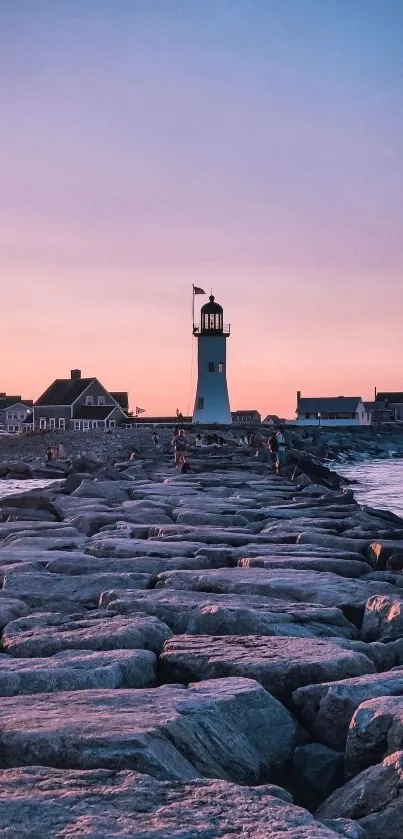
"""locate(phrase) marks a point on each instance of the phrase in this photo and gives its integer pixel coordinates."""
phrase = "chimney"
(75, 374)
(298, 397)
(375, 394)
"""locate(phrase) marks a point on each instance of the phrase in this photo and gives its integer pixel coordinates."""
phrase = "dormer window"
(89, 400)
(101, 400)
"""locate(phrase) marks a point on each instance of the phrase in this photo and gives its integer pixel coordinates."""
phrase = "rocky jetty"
(199, 655)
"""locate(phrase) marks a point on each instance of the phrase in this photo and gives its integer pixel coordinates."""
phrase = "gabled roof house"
(332, 411)
(14, 412)
(80, 404)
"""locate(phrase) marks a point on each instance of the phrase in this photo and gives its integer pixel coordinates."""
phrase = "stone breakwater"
(25, 456)
(198, 656)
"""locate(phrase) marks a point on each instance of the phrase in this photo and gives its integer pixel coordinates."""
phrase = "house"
(79, 404)
(251, 417)
(332, 411)
(391, 402)
(14, 413)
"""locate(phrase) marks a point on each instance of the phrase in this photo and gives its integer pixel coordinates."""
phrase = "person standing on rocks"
(281, 458)
(180, 445)
(155, 438)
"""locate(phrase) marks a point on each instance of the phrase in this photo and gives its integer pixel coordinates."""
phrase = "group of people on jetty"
(277, 447)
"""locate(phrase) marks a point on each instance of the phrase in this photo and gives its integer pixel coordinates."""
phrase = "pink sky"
(254, 149)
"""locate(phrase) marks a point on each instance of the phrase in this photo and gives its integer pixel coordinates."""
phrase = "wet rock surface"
(223, 627)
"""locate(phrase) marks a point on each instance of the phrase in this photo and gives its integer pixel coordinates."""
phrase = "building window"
(86, 425)
(112, 423)
(62, 424)
(52, 422)
(200, 403)
(42, 422)
(77, 425)
(211, 366)
(220, 367)
(89, 400)
(101, 400)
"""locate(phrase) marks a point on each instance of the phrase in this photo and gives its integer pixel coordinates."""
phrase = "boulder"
(338, 542)
(317, 771)
(227, 728)
(346, 827)
(306, 586)
(46, 634)
(10, 609)
(126, 548)
(280, 664)
(39, 589)
(327, 709)
(77, 670)
(44, 802)
(376, 730)
(112, 492)
(374, 798)
(221, 614)
(383, 619)
(68, 564)
(342, 567)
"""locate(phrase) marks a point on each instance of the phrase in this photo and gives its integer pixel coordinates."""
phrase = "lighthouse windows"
(220, 367)
(211, 366)
(200, 403)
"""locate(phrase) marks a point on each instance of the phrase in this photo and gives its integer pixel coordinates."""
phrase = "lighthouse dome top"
(211, 318)
(211, 308)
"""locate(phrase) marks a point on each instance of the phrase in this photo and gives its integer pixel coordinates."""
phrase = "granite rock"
(280, 664)
(47, 634)
(227, 728)
(44, 803)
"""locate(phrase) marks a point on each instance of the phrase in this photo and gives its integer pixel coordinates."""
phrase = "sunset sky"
(249, 146)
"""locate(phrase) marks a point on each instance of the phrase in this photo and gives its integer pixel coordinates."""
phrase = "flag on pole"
(139, 411)
(197, 290)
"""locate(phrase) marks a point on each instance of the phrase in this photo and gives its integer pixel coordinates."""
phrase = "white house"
(332, 411)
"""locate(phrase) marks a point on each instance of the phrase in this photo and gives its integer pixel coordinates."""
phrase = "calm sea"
(380, 483)
(10, 487)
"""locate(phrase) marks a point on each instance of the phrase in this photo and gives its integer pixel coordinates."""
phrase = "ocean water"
(380, 483)
(11, 487)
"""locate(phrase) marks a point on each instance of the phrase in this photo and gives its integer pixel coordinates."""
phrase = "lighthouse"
(212, 402)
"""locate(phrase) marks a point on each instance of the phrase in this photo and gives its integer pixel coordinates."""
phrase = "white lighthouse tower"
(212, 402)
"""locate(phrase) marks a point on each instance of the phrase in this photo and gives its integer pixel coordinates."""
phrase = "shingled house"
(79, 404)
(14, 412)
(332, 411)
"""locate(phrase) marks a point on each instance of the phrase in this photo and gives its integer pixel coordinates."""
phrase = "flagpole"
(193, 308)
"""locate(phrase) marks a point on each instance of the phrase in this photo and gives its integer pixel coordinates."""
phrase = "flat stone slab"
(200, 613)
(77, 670)
(135, 565)
(227, 728)
(280, 664)
(374, 798)
(39, 588)
(123, 548)
(327, 709)
(306, 586)
(96, 804)
(376, 730)
(47, 634)
(342, 567)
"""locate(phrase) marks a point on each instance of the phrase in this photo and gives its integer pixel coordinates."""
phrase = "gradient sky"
(249, 146)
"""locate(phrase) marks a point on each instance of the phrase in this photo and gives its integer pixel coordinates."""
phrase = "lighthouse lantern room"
(212, 402)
